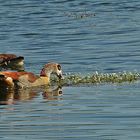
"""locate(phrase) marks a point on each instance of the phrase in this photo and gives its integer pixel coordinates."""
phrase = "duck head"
(50, 68)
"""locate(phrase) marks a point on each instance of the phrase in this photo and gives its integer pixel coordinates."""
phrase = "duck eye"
(59, 67)
(60, 92)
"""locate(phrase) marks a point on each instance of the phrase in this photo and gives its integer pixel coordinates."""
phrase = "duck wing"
(6, 57)
(12, 61)
(17, 75)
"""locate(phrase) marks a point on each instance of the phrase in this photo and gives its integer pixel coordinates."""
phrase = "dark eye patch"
(59, 67)
(60, 92)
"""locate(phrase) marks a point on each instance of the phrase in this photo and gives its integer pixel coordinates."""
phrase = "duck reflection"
(6, 97)
(10, 96)
(53, 93)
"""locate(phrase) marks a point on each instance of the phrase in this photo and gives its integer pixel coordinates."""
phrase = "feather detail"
(28, 79)
(11, 61)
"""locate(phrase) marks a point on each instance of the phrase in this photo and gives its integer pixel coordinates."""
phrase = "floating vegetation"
(80, 15)
(97, 78)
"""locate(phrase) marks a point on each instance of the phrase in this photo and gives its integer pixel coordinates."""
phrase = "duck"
(24, 79)
(11, 61)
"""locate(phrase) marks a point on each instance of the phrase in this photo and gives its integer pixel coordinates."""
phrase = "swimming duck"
(11, 61)
(28, 79)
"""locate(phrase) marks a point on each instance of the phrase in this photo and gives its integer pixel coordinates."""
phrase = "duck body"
(11, 61)
(28, 79)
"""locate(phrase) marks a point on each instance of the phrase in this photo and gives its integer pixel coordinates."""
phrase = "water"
(84, 36)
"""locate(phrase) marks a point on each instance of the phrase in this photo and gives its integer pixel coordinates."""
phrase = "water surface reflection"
(10, 96)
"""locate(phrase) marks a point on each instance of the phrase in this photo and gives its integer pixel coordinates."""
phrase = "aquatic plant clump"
(96, 78)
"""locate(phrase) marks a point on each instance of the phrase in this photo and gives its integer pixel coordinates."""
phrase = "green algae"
(98, 78)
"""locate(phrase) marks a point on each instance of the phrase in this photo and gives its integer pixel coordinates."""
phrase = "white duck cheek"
(59, 72)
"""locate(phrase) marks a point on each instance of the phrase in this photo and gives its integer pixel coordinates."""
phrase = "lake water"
(84, 36)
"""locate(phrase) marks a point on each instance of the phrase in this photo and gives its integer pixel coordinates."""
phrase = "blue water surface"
(84, 36)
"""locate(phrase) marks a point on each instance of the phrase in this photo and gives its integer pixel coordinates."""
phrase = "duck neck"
(45, 73)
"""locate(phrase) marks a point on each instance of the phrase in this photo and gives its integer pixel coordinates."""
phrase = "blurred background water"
(84, 36)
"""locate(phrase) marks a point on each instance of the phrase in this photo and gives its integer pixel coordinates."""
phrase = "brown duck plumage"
(11, 61)
(28, 79)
